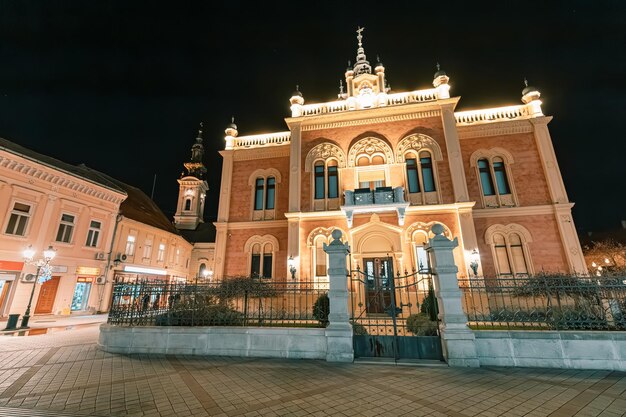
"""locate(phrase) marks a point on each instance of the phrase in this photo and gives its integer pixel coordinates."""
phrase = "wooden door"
(378, 272)
(47, 294)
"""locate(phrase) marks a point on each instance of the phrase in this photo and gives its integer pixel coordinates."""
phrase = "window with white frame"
(187, 204)
(177, 260)
(261, 252)
(93, 234)
(326, 185)
(147, 247)
(130, 245)
(494, 177)
(66, 228)
(323, 163)
(510, 250)
(421, 178)
(18, 219)
(264, 183)
(161, 252)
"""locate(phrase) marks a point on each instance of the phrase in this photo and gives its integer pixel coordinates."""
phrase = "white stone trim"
(370, 147)
(490, 155)
(482, 213)
(324, 152)
(495, 129)
(264, 173)
(256, 224)
(262, 241)
(82, 185)
(418, 142)
(261, 153)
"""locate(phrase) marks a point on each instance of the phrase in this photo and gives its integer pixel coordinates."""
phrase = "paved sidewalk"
(55, 323)
(64, 374)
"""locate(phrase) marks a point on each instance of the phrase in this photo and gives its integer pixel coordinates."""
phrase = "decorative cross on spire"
(525, 82)
(359, 36)
(340, 87)
(232, 119)
(438, 66)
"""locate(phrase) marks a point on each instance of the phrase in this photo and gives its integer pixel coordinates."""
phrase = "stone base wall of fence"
(293, 343)
(552, 349)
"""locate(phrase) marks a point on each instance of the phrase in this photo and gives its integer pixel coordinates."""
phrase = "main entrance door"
(378, 275)
(47, 294)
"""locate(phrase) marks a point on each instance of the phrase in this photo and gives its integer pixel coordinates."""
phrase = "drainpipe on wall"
(118, 219)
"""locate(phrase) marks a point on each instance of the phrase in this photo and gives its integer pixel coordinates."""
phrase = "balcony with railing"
(380, 199)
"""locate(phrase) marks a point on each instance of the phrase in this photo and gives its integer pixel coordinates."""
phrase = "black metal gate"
(393, 316)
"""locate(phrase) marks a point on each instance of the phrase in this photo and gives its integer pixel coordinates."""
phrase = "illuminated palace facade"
(384, 167)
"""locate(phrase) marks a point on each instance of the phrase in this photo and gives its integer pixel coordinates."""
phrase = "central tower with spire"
(192, 189)
(364, 89)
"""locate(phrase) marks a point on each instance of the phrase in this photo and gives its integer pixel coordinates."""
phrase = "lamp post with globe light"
(29, 255)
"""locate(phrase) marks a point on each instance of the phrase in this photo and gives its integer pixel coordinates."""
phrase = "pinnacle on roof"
(362, 65)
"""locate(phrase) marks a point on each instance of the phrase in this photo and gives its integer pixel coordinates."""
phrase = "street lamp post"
(29, 254)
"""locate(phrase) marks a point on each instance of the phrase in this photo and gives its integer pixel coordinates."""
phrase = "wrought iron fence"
(232, 302)
(545, 302)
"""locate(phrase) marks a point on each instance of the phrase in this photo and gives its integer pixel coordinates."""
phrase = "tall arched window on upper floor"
(187, 204)
(420, 178)
(264, 184)
(324, 163)
(494, 180)
(326, 185)
(270, 193)
(420, 153)
(510, 249)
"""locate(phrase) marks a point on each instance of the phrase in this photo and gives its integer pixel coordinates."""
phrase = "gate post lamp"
(474, 258)
(292, 267)
(29, 254)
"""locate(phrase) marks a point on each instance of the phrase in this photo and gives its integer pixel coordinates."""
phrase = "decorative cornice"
(519, 211)
(495, 129)
(44, 173)
(275, 151)
(372, 120)
(439, 208)
(259, 224)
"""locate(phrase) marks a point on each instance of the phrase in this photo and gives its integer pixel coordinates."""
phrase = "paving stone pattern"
(64, 374)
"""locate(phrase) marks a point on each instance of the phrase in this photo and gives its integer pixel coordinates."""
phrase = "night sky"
(121, 86)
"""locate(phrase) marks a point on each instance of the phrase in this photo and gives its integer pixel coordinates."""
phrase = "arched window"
(485, 177)
(326, 185)
(264, 185)
(492, 169)
(421, 181)
(320, 192)
(201, 269)
(261, 251)
(510, 249)
(188, 204)
(320, 258)
(255, 265)
(270, 194)
(258, 194)
(412, 175)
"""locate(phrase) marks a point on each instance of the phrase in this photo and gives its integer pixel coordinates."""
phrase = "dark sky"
(122, 85)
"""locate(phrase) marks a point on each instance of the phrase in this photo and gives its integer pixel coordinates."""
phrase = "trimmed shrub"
(206, 315)
(321, 309)
(421, 325)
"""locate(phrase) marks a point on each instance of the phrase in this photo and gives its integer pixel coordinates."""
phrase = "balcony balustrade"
(381, 199)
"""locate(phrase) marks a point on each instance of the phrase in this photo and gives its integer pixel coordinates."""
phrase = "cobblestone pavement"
(64, 374)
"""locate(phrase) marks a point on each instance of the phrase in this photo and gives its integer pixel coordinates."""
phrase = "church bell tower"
(193, 188)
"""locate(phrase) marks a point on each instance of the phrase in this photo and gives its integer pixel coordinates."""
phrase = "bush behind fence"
(545, 302)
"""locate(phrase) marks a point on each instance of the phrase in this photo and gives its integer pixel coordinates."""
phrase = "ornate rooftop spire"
(195, 167)
(361, 66)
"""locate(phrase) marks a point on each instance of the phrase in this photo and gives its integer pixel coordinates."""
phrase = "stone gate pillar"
(457, 340)
(339, 346)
